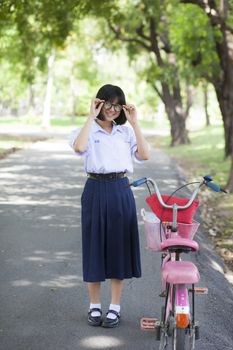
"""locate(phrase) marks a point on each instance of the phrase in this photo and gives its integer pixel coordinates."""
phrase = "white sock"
(95, 313)
(113, 307)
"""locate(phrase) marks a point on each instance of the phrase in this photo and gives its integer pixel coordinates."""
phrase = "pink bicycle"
(171, 232)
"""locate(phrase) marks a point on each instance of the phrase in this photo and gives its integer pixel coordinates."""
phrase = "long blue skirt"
(110, 240)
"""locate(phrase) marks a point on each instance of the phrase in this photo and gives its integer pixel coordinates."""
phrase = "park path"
(43, 299)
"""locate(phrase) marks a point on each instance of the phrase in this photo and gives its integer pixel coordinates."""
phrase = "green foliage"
(230, 14)
(12, 88)
(193, 41)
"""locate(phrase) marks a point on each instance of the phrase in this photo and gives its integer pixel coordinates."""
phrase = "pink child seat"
(180, 272)
(183, 242)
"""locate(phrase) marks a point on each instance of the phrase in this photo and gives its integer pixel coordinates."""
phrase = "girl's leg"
(113, 318)
(94, 292)
(116, 286)
(94, 314)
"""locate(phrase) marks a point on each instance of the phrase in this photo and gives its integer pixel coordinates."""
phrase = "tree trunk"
(176, 115)
(207, 117)
(31, 100)
(48, 94)
(179, 133)
(224, 93)
(225, 99)
(74, 94)
(229, 185)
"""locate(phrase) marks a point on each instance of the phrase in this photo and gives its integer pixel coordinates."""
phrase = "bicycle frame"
(178, 313)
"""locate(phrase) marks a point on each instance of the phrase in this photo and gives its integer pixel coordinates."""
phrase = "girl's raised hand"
(130, 113)
(96, 105)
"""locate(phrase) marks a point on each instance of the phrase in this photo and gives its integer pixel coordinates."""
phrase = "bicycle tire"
(180, 339)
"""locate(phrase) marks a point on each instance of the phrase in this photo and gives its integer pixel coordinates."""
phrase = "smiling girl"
(110, 241)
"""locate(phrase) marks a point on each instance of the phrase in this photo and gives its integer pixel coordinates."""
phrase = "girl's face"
(111, 110)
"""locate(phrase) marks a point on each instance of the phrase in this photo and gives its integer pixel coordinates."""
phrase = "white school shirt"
(108, 152)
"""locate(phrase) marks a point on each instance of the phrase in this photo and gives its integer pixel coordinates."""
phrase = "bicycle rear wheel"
(180, 339)
(183, 339)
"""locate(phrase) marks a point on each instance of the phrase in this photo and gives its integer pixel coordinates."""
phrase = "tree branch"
(140, 32)
(154, 42)
(189, 100)
(120, 37)
(157, 91)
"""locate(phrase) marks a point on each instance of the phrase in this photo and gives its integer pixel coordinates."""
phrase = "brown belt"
(109, 176)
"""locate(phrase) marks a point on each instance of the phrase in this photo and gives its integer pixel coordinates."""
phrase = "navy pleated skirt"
(110, 240)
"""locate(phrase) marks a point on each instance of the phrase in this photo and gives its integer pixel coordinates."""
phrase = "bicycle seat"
(179, 243)
(180, 272)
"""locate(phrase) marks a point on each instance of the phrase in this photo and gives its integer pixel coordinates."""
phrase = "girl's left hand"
(130, 113)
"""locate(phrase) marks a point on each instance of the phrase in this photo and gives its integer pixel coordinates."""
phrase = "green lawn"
(36, 121)
(205, 154)
(62, 122)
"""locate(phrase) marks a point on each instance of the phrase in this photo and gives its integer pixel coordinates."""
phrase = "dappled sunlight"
(170, 184)
(21, 283)
(15, 168)
(52, 145)
(101, 342)
(39, 260)
(42, 179)
(165, 167)
(44, 256)
(66, 281)
(216, 266)
(62, 281)
(229, 276)
(14, 200)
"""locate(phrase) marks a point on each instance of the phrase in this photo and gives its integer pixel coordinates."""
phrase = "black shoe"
(94, 320)
(110, 323)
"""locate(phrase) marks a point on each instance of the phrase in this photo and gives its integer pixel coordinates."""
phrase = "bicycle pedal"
(199, 290)
(149, 324)
(163, 294)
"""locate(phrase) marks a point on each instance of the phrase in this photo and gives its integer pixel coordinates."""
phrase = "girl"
(110, 241)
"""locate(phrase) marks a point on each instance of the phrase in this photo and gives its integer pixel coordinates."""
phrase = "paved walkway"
(43, 299)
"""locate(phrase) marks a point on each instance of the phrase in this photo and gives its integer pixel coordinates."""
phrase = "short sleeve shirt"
(108, 152)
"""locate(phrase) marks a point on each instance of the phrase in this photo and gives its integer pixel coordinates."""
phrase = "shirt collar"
(97, 128)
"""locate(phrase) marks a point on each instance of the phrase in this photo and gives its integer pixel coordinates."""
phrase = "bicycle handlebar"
(207, 181)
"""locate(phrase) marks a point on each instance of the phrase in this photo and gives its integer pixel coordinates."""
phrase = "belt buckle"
(113, 176)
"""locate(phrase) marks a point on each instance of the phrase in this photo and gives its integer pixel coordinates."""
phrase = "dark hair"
(110, 92)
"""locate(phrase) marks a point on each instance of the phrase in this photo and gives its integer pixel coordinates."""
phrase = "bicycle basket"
(164, 214)
(154, 231)
(187, 230)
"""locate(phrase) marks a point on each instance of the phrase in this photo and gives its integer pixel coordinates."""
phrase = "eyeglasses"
(108, 105)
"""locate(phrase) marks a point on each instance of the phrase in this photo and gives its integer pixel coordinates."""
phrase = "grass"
(37, 121)
(205, 155)
(62, 122)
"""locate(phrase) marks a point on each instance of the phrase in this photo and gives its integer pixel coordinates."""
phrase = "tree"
(220, 20)
(206, 100)
(38, 29)
(142, 26)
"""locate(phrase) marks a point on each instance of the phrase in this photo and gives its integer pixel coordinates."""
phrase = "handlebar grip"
(215, 187)
(138, 182)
